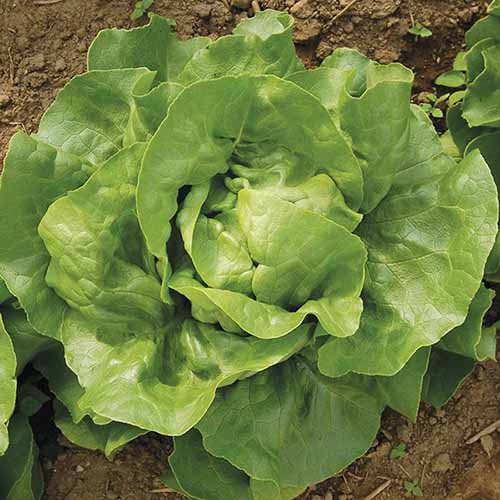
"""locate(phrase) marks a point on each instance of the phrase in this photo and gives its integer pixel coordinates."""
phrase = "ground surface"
(42, 46)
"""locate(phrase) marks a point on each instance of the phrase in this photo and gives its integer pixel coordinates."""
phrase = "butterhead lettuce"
(210, 242)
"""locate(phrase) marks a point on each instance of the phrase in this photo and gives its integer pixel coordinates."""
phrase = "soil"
(43, 45)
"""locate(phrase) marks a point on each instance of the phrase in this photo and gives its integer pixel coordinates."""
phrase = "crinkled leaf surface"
(262, 44)
(139, 367)
(419, 282)
(154, 46)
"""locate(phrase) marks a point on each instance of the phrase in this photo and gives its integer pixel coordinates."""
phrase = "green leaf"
(488, 27)
(8, 386)
(154, 46)
(437, 113)
(225, 113)
(109, 438)
(451, 79)
(378, 122)
(89, 115)
(198, 474)
(456, 97)
(27, 342)
(481, 105)
(31, 399)
(489, 146)
(353, 62)
(465, 339)
(4, 292)
(137, 13)
(494, 8)
(419, 262)
(260, 45)
(63, 383)
(203, 476)
(446, 373)
(420, 31)
(399, 451)
(20, 473)
(290, 425)
(459, 63)
(34, 175)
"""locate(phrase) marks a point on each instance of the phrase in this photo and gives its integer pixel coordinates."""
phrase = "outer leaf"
(352, 61)
(218, 479)
(63, 383)
(4, 292)
(482, 99)
(372, 102)
(154, 46)
(419, 267)
(27, 342)
(446, 373)
(8, 386)
(488, 27)
(109, 438)
(465, 340)
(197, 138)
(34, 176)
(290, 425)
(20, 473)
(203, 476)
(489, 146)
(89, 116)
(403, 391)
(378, 122)
(260, 45)
(167, 398)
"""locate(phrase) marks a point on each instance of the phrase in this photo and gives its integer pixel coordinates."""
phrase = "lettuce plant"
(210, 242)
(475, 123)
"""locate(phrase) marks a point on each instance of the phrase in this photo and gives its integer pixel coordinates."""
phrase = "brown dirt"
(42, 46)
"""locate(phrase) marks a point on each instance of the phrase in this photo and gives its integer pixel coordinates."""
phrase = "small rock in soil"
(442, 463)
(241, 4)
(307, 31)
(302, 9)
(202, 10)
(60, 65)
(4, 100)
(348, 27)
(385, 8)
(79, 469)
(35, 63)
(404, 433)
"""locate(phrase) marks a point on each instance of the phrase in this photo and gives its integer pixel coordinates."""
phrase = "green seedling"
(413, 489)
(432, 108)
(418, 30)
(399, 451)
(454, 79)
(141, 8)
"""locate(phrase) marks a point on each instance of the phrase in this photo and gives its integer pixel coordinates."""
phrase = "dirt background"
(42, 45)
